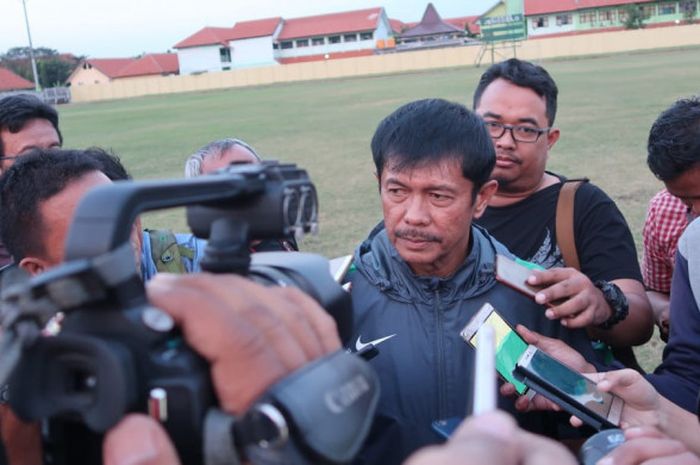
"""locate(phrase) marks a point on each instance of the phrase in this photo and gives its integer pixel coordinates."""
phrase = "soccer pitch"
(606, 106)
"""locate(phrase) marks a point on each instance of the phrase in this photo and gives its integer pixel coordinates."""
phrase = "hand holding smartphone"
(514, 274)
(570, 390)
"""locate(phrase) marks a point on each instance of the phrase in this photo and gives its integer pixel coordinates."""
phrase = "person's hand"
(650, 447)
(251, 335)
(558, 350)
(572, 297)
(22, 440)
(138, 440)
(495, 439)
(642, 403)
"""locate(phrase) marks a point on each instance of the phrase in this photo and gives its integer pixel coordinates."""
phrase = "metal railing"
(52, 95)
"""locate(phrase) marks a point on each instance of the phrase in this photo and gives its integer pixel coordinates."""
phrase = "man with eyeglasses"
(518, 102)
(26, 123)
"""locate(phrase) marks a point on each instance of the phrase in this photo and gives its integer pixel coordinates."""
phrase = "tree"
(53, 68)
(634, 18)
(54, 72)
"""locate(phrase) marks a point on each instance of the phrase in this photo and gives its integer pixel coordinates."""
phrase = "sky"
(120, 28)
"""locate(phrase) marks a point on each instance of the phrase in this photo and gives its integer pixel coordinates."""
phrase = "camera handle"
(228, 248)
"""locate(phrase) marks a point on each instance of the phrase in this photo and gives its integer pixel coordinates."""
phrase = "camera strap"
(319, 414)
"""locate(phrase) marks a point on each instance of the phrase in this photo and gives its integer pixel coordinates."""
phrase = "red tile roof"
(110, 67)
(221, 35)
(153, 63)
(11, 81)
(540, 7)
(334, 23)
(206, 36)
(397, 25)
(463, 21)
(255, 28)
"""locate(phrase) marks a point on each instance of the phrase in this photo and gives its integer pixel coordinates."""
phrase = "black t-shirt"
(603, 240)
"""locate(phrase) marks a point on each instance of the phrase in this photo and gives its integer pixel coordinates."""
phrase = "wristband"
(617, 301)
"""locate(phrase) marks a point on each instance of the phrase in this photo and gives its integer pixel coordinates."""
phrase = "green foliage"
(53, 69)
(634, 18)
(54, 72)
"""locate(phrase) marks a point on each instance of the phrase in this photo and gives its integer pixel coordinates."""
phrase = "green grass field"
(606, 107)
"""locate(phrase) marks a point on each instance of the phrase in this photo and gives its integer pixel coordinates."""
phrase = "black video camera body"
(115, 353)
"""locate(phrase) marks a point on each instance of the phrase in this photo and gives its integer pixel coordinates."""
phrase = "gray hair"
(193, 165)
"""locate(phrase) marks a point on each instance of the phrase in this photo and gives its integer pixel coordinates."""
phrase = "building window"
(668, 8)
(606, 15)
(648, 11)
(286, 44)
(334, 40)
(622, 15)
(225, 54)
(350, 38)
(303, 43)
(366, 35)
(275, 46)
(563, 20)
(318, 41)
(587, 17)
(542, 21)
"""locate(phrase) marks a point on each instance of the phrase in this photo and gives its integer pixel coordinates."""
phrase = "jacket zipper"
(442, 395)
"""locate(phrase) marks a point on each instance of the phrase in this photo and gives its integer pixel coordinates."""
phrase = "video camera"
(116, 354)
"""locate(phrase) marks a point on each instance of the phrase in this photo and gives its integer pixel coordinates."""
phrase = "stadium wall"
(533, 49)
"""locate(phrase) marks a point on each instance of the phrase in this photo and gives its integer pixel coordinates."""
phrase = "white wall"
(252, 52)
(199, 59)
(326, 48)
(551, 27)
(383, 28)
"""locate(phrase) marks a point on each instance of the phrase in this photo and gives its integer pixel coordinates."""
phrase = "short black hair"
(111, 164)
(17, 110)
(32, 179)
(674, 140)
(430, 130)
(522, 74)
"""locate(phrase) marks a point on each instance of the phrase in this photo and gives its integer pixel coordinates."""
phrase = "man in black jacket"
(423, 273)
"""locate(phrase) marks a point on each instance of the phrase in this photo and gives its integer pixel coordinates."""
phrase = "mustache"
(508, 157)
(414, 234)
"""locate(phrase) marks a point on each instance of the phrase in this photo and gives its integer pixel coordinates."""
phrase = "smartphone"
(568, 389)
(514, 274)
(509, 345)
(339, 267)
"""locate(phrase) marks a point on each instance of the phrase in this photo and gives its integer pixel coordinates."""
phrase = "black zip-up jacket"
(425, 369)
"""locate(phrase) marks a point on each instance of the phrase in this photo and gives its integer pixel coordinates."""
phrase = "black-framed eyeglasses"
(518, 133)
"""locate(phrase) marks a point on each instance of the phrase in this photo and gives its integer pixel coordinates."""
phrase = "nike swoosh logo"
(359, 345)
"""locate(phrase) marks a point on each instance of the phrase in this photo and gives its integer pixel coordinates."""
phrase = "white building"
(248, 43)
(335, 35)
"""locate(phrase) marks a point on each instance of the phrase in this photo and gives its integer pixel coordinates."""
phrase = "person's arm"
(638, 327)
(584, 305)
(660, 306)
(644, 407)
